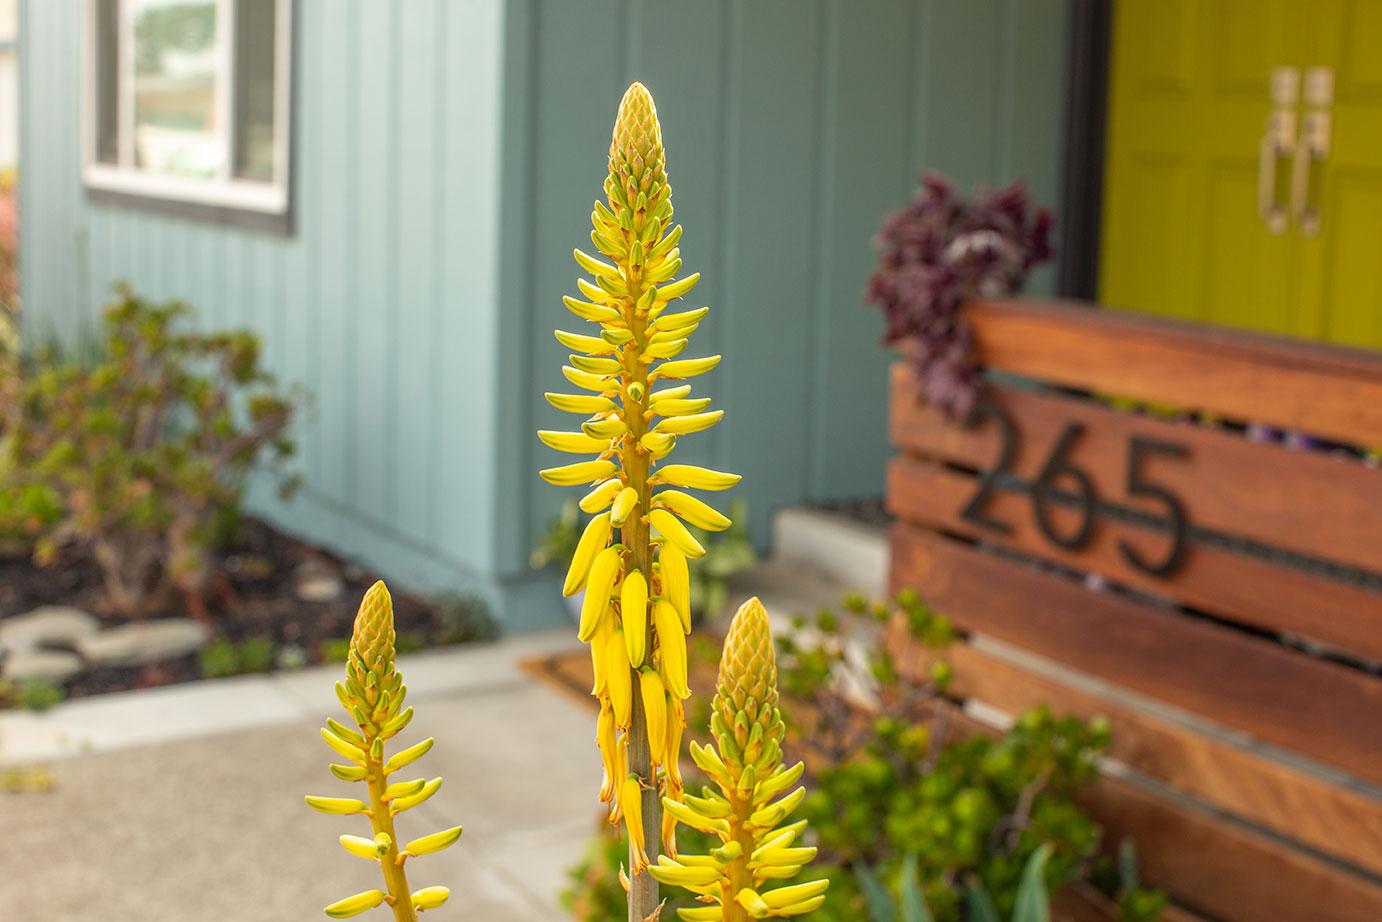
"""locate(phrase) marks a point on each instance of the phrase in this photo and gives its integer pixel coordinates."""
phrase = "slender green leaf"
(1127, 866)
(1033, 905)
(914, 908)
(980, 906)
(881, 907)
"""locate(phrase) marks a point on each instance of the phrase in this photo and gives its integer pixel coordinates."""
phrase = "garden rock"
(51, 666)
(144, 642)
(50, 624)
(317, 583)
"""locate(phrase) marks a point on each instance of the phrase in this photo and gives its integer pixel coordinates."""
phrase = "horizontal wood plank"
(1243, 588)
(1214, 865)
(1327, 391)
(1225, 870)
(1308, 502)
(1322, 709)
(1279, 797)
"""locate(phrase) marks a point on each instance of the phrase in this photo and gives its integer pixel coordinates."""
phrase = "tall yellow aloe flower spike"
(631, 559)
(372, 694)
(749, 810)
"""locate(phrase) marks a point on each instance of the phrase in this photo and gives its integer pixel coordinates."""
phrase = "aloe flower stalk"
(749, 810)
(373, 694)
(631, 559)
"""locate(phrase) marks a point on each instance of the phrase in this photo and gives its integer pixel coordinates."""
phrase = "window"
(188, 101)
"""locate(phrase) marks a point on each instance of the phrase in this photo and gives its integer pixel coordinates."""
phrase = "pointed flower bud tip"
(746, 692)
(373, 640)
(637, 142)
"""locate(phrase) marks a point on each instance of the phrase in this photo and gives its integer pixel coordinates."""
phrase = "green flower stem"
(643, 890)
(737, 875)
(381, 818)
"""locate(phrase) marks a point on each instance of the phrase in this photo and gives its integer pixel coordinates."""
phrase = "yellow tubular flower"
(636, 338)
(755, 794)
(372, 694)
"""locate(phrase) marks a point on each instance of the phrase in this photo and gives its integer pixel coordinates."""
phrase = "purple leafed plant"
(936, 253)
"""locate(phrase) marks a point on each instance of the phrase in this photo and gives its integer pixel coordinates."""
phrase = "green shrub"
(38, 695)
(887, 781)
(144, 453)
(223, 657)
(335, 650)
(463, 618)
(219, 658)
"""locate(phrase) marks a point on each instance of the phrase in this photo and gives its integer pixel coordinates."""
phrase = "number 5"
(1175, 509)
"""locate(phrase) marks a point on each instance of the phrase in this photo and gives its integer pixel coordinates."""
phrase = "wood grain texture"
(1309, 502)
(1080, 902)
(1215, 866)
(1326, 391)
(1227, 871)
(1318, 708)
(1248, 589)
(1296, 805)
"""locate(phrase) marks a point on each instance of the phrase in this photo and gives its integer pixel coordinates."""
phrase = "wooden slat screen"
(1243, 677)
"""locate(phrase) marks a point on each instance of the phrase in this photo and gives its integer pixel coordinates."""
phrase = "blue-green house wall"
(447, 154)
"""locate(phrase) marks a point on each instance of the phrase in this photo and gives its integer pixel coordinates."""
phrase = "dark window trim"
(1089, 38)
(282, 223)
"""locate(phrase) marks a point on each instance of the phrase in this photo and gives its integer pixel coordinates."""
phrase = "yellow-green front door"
(1244, 165)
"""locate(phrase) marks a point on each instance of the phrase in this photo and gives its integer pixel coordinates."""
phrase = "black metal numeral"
(1007, 450)
(1139, 448)
(1058, 467)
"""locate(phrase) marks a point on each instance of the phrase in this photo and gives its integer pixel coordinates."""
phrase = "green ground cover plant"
(865, 700)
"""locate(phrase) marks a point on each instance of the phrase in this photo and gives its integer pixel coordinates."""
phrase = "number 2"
(1007, 450)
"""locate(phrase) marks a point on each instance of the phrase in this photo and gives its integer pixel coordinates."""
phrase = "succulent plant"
(749, 810)
(940, 250)
(631, 559)
(372, 694)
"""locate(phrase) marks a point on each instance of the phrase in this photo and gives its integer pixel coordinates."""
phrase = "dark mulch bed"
(254, 596)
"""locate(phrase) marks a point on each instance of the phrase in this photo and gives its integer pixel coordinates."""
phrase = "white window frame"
(225, 190)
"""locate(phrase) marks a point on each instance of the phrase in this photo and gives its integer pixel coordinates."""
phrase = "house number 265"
(1059, 470)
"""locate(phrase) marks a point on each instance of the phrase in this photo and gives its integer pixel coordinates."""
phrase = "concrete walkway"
(185, 803)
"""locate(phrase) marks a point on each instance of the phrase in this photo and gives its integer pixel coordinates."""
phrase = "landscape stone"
(144, 642)
(52, 666)
(50, 624)
(315, 582)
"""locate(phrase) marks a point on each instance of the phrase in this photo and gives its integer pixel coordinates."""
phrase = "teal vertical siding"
(447, 154)
(791, 126)
(394, 253)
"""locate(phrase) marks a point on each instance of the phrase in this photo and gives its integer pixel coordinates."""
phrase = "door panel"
(1188, 105)
(1188, 101)
(1341, 271)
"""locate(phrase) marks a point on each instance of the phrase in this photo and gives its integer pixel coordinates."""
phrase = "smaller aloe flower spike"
(372, 694)
(749, 813)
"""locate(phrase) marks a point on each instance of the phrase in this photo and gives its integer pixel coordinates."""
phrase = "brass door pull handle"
(1269, 204)
(1316, 129)
(1278, 144)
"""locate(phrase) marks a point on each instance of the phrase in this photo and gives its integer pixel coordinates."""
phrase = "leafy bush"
(557, 545)
(462, 618)
(38, 696)
(143, 454)
(225, 657)
(935, 253)
(890, 779)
